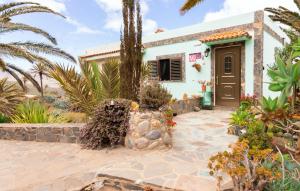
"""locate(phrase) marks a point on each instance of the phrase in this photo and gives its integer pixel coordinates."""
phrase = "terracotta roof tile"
(225, 35)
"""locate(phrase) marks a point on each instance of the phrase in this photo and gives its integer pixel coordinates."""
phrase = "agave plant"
(29, 51)
(285, 78)
(189, 4)
(286, 16)
(34, 112)
(94, 84)
(10, 97)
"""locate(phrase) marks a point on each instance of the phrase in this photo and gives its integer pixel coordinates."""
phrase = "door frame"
(242, 67)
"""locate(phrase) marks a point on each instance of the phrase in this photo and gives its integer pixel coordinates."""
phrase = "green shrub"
(291, 180)
(108, 126)
(3, 118)
(256, 136)
(242, 118)
(61, 104)
(49, 99)
(34, 112)
(154, 96)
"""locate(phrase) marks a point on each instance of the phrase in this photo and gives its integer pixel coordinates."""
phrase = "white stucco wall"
(270, 44)
(190, 85)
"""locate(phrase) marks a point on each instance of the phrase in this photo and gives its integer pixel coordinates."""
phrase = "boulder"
(143, 127)
(153, 135)
(141, 143)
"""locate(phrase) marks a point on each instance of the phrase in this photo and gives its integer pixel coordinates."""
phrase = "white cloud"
(60, 7)
(235, 7)
(113, 10)
(80, 28)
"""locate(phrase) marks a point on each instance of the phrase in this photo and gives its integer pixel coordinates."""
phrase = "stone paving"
(57, 166)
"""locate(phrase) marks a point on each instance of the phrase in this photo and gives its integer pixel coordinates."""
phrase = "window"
(228, 65)
(166, 69)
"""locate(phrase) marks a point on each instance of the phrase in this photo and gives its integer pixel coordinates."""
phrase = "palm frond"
(10, 97)
(15, 4)
(285, 16)
(110, 79)
(26, 75)
(189, 4)
(27, 9)
(12, 27)
(75, 87)
(44, 48)
(15, 76)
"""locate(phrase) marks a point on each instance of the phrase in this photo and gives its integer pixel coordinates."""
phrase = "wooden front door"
(228, 76)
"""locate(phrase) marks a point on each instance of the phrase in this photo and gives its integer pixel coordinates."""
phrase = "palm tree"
(88, 88)
(40, 70)
(29, 51)
(189, 4)
(10, 97)
(286, 17)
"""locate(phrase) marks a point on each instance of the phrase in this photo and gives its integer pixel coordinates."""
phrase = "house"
(234, 54)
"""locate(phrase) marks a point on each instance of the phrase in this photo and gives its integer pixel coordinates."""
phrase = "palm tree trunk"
(41, 82)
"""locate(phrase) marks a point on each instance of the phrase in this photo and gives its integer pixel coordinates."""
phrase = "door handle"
(217, 80)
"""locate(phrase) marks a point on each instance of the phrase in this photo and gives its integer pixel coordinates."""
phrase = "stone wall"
(148, 131)
(63, 133)
(186, 106)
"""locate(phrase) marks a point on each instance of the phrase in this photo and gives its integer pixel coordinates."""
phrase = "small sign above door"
(194, 57)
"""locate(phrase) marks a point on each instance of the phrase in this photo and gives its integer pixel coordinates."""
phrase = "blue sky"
(91, 23)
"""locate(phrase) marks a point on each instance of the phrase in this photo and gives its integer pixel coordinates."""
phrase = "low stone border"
(186, 106)
(63, 133)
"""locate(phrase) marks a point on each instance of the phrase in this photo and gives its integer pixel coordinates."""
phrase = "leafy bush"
(241, 118)
(34, 112)
(49, 99)
(256, 136)
(61, 104)
(291, 170)
(245, 166)
(108, 126)
(154, 96)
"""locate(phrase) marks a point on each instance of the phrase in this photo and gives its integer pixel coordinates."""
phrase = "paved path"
(54, 166)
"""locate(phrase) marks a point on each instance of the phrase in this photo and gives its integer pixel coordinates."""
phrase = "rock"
(288, 135)
(157, 115)
(145, 116)
(197, 109)
(154, 145)
(234, 130)
(141, 143)
(167, 139)
(295, 137)
(143, 127)
(155, 124)
(153, 135)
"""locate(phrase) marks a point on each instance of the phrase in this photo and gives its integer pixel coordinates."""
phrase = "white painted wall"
(269, 59)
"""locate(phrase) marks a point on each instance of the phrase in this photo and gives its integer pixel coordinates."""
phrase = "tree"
(189, 4)
(131, 50)
(285, 16)
(87, 89)
(29, 51)
(40, 70)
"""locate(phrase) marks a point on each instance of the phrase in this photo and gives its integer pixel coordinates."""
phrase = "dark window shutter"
(153, 69)
(176, 70)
